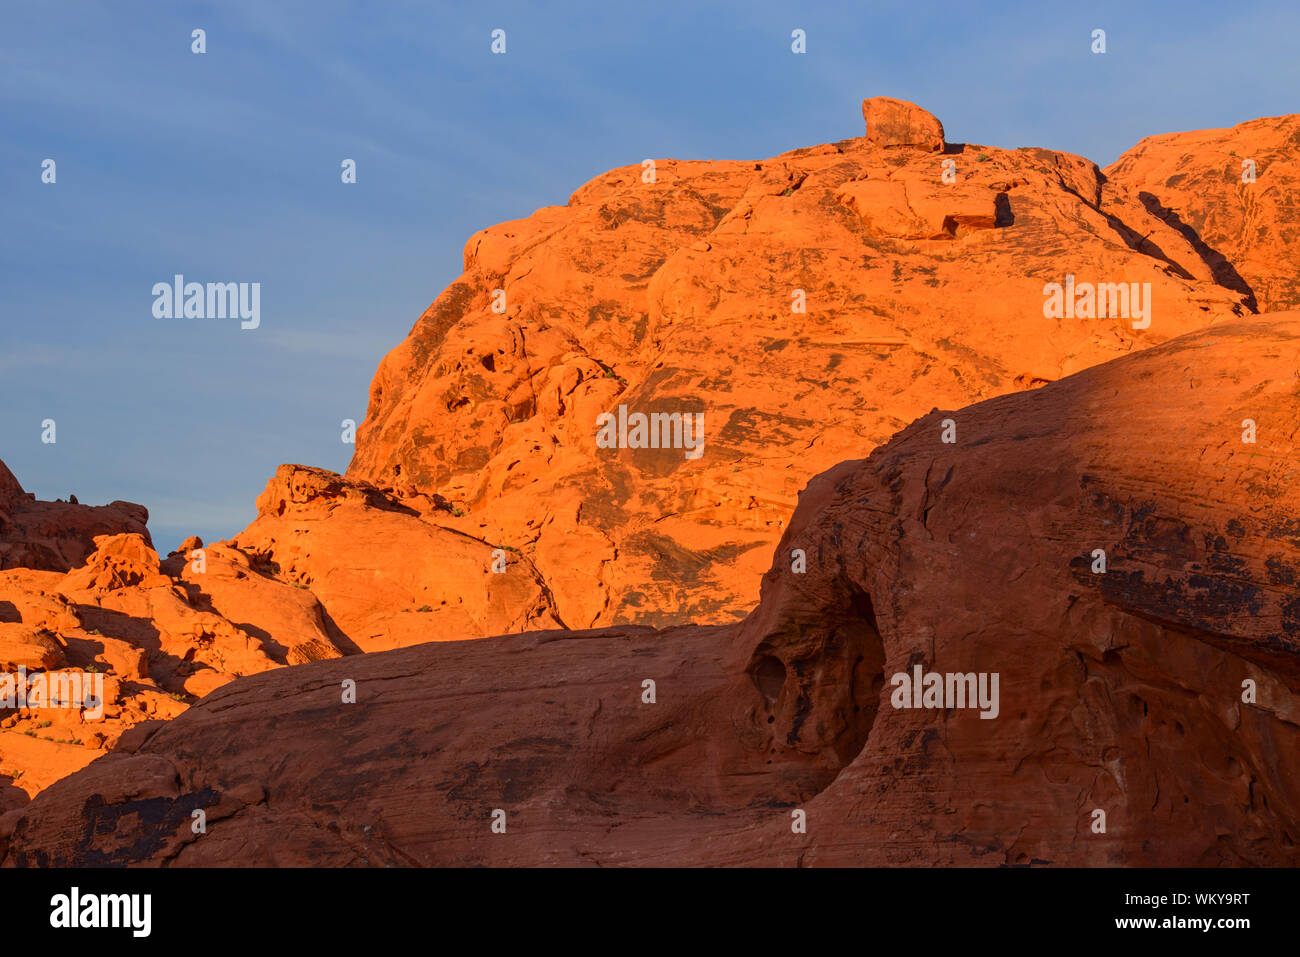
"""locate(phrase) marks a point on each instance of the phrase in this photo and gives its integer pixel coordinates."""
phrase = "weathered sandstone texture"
(1234, 194)
(808, 305)
(1162, 691)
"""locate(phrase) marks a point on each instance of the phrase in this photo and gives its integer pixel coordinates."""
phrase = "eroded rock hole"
(769, 677)
(821, 680)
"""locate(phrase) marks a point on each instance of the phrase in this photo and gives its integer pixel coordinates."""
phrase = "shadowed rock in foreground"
(1162, 692)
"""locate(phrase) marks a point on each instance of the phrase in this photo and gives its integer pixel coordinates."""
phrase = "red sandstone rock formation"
(1235, 195)
(809, 305)
(385, 576)
(331, 566)
(1162, 691)
(57, 536)
(893, 122)
(159, 634)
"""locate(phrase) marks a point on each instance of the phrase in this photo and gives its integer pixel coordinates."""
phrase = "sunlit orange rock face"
(385, 576)
(1159, 689)
(331, 567)
(890, 331)
(1235, 194)
(809, 305)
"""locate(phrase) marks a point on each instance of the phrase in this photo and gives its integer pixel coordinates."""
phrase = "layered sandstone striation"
(1159, 688)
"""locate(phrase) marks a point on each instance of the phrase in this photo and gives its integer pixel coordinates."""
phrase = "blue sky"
(225, 167)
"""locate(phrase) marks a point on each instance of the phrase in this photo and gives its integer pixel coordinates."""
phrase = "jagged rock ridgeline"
(149, 636)
(161, 633)
(1158, 688)
(57, 536)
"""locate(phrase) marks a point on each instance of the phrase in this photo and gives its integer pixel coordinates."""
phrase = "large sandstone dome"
(808, 305)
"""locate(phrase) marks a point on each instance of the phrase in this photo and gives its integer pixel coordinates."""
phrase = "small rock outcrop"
(893, 122)
(57, 536)
(386, 574)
